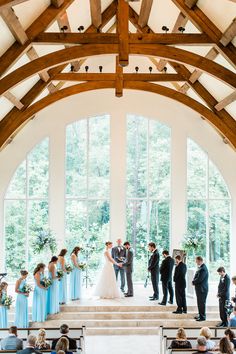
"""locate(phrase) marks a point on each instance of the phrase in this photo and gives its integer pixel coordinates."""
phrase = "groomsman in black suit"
(200, 281)
(153, 268)
(166, 270)
(223, 295)
(180, 285)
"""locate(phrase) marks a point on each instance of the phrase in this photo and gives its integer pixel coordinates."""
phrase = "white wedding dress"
(107, 287)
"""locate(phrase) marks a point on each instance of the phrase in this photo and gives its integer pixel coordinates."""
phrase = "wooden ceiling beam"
(73, 53)
(14, 25)
(122, 19)
(146, 7)
(12, 98)
(112, 76)
(96, 12)
(9, 128)
(226, 101)
(190, 3)
(119, 79)
(229, 33)
(32, 55)
(204, 24)
(39, 25)
(68, 38)
(10, 3)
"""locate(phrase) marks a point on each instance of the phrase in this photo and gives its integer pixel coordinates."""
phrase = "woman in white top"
(107, 287)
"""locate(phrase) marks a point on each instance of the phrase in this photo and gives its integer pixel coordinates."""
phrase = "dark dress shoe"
(161, 303)
(153, 299)
(200, 319)
(196, 317)
(185, 311)
(129, 295)
(177, 312)
(170, 302)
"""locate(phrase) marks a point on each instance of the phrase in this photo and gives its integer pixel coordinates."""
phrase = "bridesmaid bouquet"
(7, 302)
(60, 274)
(82, 266)
(46, 282)
(68, 268)
(27, 288)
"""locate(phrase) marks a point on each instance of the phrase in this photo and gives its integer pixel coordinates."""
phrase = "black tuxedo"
(72, 342)
(223, 294)
(200, 281)
(166, 270)
(180, 286)
(153, 268)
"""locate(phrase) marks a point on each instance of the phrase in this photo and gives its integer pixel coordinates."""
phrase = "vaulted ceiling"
(181, 49)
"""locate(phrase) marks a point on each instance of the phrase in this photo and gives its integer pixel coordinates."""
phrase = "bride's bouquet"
(27, 288)
(46, 282)
(60, 274)
(82, 266)
(68, 268)
(7, 302)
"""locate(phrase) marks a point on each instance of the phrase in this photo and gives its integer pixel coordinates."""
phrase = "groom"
(118, 253)
(128, 265)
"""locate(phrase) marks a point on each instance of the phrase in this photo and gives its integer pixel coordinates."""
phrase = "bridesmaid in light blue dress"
(39, 309)
(21, 316)
(75, 276)
(3, 309)
(53, 291)
(63, 281)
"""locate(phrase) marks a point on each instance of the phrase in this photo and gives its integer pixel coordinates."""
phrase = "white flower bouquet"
(7, 302)
(46, 282)
(68, 268)
(60, 274)
(82, 266)
(27, 288)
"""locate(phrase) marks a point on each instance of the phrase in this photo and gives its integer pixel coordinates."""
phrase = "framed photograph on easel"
(182, 254)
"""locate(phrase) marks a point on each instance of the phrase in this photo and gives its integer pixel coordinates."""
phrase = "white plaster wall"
(183, 122)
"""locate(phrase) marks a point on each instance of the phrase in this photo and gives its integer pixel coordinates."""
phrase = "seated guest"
(231, 336)
(41, 342)
(62, 345)
(232, 320)
(12, 342)
(206, 332)
(225, 346)
(30, 348)
(180, 341)
(201, 346)
(64, 330)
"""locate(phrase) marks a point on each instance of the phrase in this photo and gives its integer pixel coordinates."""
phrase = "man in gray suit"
(118, 253)
(12, 342)
(128, 266)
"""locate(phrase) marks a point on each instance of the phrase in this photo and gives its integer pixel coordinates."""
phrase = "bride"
(107, 287)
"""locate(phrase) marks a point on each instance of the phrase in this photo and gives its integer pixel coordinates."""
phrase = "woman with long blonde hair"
(41, 342)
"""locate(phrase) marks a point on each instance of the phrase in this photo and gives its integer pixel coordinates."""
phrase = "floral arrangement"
(27, 288)
(44, 240)
(7, 302)
(46, 282)
(68, 268)
(82, 266)
(192, 242)
(60, 274)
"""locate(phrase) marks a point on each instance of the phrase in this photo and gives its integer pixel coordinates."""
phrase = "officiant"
(118, 253)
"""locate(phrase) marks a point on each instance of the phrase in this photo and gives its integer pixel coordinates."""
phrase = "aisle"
(122, 344)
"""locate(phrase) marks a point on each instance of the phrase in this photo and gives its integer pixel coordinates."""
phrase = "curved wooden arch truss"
(158, 47)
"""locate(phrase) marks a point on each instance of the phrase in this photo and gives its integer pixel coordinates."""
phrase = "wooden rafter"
(229, 34)
(145, 11)
(227, 129)
(190, 3)
(122, 19)
(44, 21)
(226, 101)
(14, 25)
(96, 12)
(8, 3)
(68, 39)
(119, 79)
(12, 98)
(67, 55)
(57, 3)
(204, 24)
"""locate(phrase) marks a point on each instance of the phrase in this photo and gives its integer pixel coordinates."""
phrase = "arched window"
(88, 185)
(148, 187)
(26, 210)
(208, 210)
